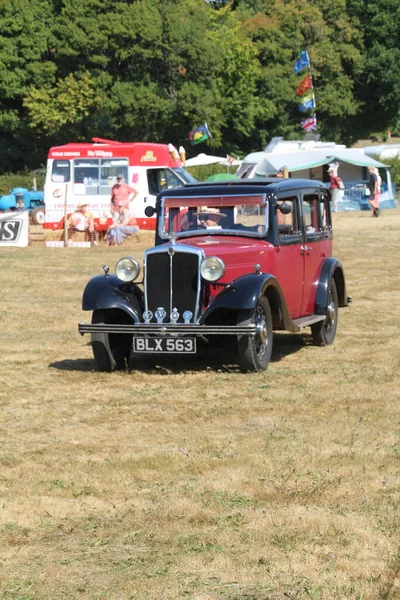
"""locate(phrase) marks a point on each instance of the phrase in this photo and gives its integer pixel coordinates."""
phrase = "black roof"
(271, 185)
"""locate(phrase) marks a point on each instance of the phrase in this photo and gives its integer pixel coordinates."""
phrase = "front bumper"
(166, 329)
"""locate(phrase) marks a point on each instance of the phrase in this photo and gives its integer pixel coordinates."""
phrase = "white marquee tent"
(208, 159)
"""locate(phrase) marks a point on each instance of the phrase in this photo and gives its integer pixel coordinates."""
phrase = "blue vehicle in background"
(24, 199)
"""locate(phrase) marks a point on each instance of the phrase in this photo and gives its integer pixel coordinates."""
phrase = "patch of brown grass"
(190, 479)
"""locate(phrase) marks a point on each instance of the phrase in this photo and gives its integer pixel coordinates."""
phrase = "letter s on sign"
(9, 230)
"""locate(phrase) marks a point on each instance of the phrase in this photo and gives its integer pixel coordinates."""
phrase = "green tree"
(236, 81)
(69, 101)
(159, 69)
(377, 84)
(25, 60)
(281, 28)
(155, 69)
(149, 60)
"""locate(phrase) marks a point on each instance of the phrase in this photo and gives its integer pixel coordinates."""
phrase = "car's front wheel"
(255, 351)
(111, 351)
(324, 332)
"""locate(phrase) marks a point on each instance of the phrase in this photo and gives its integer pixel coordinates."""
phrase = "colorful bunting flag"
(302, 61)
(307, 96)
(308, 103)
(307, 100)
(305, 85)
(310, 124)
(200, 134)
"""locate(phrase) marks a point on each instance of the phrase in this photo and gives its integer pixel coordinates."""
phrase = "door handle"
(305, 248)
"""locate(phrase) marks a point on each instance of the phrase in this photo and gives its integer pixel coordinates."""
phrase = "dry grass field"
(189, 479)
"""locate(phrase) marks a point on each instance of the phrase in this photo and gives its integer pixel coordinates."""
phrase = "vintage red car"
(239, 259)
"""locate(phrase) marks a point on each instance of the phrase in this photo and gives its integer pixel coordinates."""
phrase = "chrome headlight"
(127, 269)
(212, 268)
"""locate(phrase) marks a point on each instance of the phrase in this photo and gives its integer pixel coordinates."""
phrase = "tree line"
(152, 70)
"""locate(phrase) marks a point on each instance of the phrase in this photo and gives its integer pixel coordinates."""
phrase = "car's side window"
(287, 216)
(312, 223)
(325, 216)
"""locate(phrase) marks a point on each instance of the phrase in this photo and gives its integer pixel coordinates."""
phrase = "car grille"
(172, 280)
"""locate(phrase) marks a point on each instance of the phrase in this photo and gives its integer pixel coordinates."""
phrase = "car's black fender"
(245, 292)
(331, 269)
(109, 292)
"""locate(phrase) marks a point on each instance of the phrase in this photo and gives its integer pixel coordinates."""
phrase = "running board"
(309, 320)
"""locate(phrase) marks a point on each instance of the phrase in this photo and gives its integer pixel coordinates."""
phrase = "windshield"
(217, 215)
(245, 170)
(184, 175)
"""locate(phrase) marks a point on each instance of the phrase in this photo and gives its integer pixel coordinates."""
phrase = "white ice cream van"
(78, 172)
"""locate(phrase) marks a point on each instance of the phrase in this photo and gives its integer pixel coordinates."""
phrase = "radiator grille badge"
(160, 314)
(174, 315)
(187, 315)
(147, 316)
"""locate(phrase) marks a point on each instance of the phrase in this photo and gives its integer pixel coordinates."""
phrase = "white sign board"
(14, 229)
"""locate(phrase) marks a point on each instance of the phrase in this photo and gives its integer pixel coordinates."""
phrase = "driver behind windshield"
(210, 218)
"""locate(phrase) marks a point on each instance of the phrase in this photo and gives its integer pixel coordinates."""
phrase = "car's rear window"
(216, 215)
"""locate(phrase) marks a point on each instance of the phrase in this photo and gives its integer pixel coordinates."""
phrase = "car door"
(289, 256)
(317, 242)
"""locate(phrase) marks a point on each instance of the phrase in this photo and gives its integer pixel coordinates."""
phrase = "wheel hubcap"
(262, 332)
(331, 311)
(261, 328)
(330, 314)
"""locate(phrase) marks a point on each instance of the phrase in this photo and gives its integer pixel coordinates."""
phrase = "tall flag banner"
(305, 85)
(309, 124)
(302, 62)
(200, 134)
(305, 91)
(307, 104)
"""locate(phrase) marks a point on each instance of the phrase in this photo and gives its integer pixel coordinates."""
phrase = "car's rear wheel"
(255, 351)
(324, 332)
(111, 351)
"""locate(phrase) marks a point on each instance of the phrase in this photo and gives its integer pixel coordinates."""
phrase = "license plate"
(164, 345)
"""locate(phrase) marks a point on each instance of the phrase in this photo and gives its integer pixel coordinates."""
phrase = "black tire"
(38, 216)
(255, 351)
(110, 351)
(324, 332)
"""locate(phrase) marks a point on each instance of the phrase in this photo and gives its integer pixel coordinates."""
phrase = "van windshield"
(185, 175)
(245, 170)
(223, 215)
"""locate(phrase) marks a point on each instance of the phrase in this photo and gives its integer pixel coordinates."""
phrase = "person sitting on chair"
(123, 226)
(82, 220)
